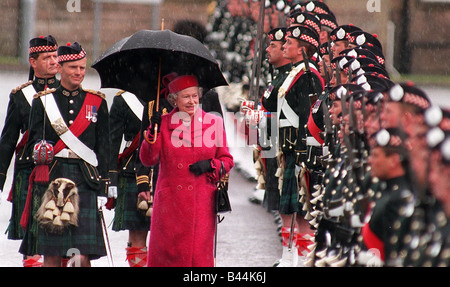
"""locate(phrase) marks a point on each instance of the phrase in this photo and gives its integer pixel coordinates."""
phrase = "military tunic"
(87, 237)
(291, 138)
(124, 124)
(16, 123)
(271, 198)
(427, 241)
(381, 228)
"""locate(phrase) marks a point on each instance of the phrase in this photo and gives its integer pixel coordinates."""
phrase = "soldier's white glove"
(263, 122)
(112, 191)
(246, 106)
(1, 195)
(253, 117)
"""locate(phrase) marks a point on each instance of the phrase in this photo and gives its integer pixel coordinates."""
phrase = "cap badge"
(360, 40)
(279, 35)
(340, 34)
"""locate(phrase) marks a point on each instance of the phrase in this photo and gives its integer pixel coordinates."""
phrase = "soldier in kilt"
(125, 122)
(62, 218)
(43, 68)
(293, 110)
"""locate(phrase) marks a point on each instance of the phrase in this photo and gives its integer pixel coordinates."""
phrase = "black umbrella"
(132, 64)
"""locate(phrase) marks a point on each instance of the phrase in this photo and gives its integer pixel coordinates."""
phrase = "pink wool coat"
(183, 219)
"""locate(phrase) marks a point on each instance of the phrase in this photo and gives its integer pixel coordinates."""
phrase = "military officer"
(43, 70)
(125, 122)
(266, 152)
(404, 108)
(293, 107)
(340, 38)
(430, 219)
(73, 123)
(388, 159)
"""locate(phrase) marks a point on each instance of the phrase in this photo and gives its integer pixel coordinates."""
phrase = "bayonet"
(338, 75)
(312, 93)
(325, 72)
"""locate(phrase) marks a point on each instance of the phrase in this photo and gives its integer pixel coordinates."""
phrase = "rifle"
(312, 93)
(256, 65)
(338, 75)
(328, 128)
(327, 75)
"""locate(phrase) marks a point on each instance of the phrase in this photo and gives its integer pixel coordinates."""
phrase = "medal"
(94, 114)
(316, 106)
(268, 91)
(91, 113)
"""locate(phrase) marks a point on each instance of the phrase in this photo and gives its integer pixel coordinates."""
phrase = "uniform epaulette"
(15, 90)
(119, 93)
(43, 93)
(97, 93)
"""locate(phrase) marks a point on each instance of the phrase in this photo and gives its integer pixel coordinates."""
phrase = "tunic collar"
(68, 93)
(50, 82)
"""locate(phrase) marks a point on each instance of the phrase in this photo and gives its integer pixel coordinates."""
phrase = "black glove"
(155, 120)
(201, 167)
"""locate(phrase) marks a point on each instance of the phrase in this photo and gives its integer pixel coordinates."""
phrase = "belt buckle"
(59, 126)
(72, 154)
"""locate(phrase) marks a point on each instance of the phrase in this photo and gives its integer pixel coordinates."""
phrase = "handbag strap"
(222, 170)
(223, 176)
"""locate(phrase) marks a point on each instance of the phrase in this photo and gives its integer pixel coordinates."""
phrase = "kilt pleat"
(271, 199)
(289, 202)
(19, 197)
(126, 214)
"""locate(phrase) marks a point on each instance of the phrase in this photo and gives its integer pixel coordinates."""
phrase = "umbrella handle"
(157, 106)
(154, 139)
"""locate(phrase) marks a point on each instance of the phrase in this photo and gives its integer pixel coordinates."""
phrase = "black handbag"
(222, 201)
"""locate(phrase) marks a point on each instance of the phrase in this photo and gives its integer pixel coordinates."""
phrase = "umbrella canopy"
(132, 63)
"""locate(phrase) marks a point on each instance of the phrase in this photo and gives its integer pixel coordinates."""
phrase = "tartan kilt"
(126, 214)
(271, 199)
(86, 238)
(289, 200)
(19, 197)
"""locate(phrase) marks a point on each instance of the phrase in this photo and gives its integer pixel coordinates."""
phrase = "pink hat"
(182, 82)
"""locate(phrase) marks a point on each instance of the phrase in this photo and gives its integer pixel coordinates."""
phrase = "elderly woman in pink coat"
(190, 149)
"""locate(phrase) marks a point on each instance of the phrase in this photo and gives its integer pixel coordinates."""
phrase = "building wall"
(428, 40)
(117, 21)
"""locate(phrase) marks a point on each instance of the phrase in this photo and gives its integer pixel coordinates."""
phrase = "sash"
(314, 129)
(282, 105)
(128, 151)
(77, 128)
(134, 104)
(69, 136)
(138, 109)
(29, 93)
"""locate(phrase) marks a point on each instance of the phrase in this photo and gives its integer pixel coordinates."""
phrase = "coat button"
(179, 187)
(180, 166)
(190, 187)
